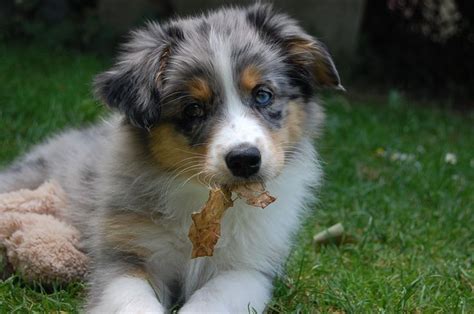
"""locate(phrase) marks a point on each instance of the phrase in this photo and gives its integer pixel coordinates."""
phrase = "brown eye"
(193, 111)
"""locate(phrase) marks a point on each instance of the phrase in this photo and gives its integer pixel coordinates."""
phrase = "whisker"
(169, 182)
(190, 178)
(190, 152)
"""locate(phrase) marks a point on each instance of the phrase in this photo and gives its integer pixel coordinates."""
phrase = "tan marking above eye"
(199, 89)
(250, 77)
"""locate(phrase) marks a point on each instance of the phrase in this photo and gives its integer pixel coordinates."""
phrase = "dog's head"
(228, 95)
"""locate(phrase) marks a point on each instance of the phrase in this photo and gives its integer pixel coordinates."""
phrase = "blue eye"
(263, 97)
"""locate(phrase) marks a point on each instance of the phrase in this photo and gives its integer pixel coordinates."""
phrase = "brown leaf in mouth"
(254, 194)
(205, 229)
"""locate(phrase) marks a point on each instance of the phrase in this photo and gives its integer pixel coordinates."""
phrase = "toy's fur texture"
(38, 245)
(187, 94)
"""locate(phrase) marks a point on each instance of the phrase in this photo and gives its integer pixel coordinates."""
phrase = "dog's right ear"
(132, 85)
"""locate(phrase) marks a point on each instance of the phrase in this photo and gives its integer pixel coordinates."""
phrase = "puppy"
(223, 98)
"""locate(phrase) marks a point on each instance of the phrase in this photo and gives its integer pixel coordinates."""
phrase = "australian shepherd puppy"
(223, 98)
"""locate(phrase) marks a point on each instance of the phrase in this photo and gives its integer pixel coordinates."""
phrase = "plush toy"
(37, 243)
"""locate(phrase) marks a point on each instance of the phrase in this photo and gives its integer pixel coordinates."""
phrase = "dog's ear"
(312, 56)
(308, 55)
(132, 85)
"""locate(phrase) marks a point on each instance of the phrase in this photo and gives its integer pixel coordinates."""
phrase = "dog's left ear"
(312, 55)
(309, 57)
(132, 86)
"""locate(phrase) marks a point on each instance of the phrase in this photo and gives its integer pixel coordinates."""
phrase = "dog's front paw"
(130, 307)
(203, 307)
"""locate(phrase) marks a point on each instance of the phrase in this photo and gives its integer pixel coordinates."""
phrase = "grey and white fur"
(185, 94)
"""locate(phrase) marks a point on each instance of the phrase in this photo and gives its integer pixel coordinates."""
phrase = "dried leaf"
(254, 194)
(205, 229)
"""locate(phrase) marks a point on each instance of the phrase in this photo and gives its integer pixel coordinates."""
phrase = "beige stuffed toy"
(37, 243)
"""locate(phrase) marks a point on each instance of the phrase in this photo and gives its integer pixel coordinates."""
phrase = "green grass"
(413, 219)
(42, 91)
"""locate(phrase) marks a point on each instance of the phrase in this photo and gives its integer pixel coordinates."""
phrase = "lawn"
(387, 180)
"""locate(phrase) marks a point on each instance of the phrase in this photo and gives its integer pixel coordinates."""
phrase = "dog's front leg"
(238, 291)
(126, 292)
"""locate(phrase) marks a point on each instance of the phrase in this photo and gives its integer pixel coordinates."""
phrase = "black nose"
(244, 161)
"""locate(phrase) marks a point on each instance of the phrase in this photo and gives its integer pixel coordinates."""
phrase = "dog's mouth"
(230, 181)
(223, 176)
(241, 182)
(241, 166)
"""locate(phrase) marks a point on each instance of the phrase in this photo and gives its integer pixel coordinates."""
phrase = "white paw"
(136, 306)
(128, 295)
(203, 307)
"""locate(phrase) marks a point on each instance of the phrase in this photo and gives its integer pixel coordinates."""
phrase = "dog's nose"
(244, 161)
